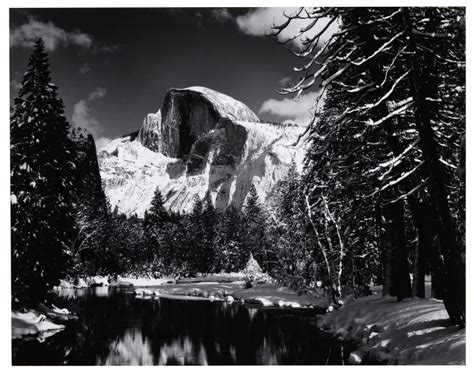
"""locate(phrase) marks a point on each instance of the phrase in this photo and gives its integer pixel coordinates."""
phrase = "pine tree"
(255, 241)
(157, 211)
(208, 221)
(155, 219)
(403, 93)
(293, 255)
(42, 183)
(228, 245)
(195, 235)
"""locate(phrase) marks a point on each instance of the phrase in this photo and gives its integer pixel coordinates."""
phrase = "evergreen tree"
(42, 183)
(228, 245)
(294, 256)
(402, 92)
(154, 223)
(208, 223)
(254, 222)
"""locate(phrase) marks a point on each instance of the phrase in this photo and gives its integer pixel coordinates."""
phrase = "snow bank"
(408, 332)
(33, 323)
(143, 281)
(278, 296)
(78, 283)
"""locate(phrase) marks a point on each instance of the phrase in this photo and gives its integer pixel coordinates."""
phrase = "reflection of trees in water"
(131, 349)
(182, 352)
(125, 330)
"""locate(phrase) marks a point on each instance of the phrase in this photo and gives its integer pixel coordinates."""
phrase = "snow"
(279, 296)
(414, 331)
(225, 105)
(264, 301)
(131, 172)
(33, 323)
(143, 282)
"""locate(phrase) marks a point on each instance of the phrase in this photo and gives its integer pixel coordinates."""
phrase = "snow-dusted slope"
(227, 106)
(223, 155)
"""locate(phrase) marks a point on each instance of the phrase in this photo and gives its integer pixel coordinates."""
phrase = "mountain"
(87, 173)
(199, 140)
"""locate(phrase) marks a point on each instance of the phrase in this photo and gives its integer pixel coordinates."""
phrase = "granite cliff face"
(192, 112)
(149, 134)
(200, 140)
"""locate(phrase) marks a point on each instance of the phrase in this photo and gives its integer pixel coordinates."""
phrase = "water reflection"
(131, 349)
(182, 352)
(116, 328)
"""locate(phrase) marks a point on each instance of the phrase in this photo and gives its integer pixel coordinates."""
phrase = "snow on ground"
(33, 323)
(143, 282)
(414, 331)
(279, 296)
(266, 295)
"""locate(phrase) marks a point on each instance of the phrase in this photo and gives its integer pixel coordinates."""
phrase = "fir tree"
(255, 241)
(208, 223)
(228, 241)
(41, 183)
(154, 225)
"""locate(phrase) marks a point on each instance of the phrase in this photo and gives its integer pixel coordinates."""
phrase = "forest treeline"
(381, 198)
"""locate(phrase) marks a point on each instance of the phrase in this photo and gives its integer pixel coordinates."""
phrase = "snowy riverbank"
(414, 331)
(264, 295)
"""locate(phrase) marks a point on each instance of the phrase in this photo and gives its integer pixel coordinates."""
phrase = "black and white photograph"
(267, 185)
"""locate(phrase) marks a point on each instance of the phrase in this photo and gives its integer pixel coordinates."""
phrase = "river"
(117, 328)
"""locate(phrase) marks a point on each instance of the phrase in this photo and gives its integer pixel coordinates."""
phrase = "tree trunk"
(424, 222)
(455, 285)
(387, 257)
(390, 128)
(401, 276)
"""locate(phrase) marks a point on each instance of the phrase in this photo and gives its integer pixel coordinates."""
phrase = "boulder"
(264, 301)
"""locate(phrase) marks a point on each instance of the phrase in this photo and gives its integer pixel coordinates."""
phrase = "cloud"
(53, 36)
(291, 110)
(82, 116)
(259, 22)
(84, 69)
(220, 15)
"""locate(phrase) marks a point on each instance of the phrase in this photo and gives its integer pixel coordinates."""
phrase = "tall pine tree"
(255, 241)
(41, 163)
(154, 227)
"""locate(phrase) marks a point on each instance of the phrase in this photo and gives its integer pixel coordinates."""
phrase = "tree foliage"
(42, 183)
(389, 135)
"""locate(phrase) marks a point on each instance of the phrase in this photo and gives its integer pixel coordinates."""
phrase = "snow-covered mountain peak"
(200, 140)
(226, 106)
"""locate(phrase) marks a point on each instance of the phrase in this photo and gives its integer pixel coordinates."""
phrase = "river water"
(116, 328)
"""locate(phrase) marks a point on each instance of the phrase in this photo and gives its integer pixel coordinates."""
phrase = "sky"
(113, 66)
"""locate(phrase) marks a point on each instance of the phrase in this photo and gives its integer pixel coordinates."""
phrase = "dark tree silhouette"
(42, 184)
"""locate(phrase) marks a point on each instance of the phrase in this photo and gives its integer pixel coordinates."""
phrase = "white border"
(5, 325)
